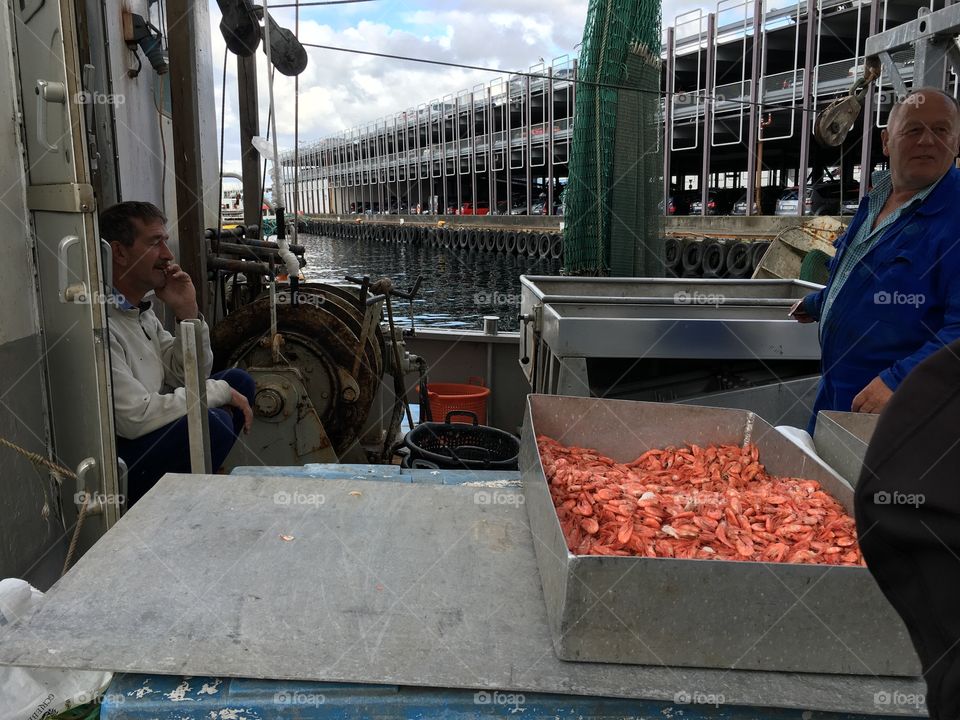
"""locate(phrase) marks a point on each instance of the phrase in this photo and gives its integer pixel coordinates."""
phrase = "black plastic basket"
(462, 446)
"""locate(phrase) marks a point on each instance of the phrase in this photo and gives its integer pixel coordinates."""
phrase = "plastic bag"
(34, 693)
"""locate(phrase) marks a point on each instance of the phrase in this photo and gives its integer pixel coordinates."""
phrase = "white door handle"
(48, 92)
(69, 292)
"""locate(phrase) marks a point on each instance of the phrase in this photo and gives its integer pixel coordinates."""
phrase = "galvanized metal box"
(841, 439)
(700, 613)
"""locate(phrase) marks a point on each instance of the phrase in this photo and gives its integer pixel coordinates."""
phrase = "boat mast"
(249, 128)
(186, 17)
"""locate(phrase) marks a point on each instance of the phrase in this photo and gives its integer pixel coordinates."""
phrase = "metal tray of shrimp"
(739, 615)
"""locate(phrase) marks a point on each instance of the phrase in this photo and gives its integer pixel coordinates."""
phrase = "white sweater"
(147, 364)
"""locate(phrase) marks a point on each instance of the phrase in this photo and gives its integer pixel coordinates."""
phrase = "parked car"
(823, 198)
(678, 205)
(467, 209)
(713, 208)
(850, 205)
(768, 202)
(787, 203)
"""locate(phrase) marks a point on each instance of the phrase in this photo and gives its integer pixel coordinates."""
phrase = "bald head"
(921, 138)
(919, 96)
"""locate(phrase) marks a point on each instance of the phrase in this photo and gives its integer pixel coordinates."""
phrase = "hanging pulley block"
(286, 53)
(239, 26)
(838, 119)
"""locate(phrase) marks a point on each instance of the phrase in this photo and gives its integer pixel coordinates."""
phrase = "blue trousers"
(167, 449)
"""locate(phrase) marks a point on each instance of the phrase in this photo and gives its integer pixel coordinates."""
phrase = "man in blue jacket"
(893, 296)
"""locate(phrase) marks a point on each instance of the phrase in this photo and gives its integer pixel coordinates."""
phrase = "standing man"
(149, 398)
(893, 297)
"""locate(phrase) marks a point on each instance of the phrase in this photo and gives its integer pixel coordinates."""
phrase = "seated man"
(149, 399)
(893, 297)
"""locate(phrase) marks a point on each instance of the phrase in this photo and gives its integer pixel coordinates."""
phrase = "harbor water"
(459, 287)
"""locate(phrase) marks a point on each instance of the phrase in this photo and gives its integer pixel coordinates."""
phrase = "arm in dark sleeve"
(939, 337)
(813, 303)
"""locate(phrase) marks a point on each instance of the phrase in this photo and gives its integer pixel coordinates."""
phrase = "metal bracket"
(896, 79)
(64, 197)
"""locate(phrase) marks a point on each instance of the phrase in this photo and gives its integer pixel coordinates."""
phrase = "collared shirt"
(867, 234)
(122, 302)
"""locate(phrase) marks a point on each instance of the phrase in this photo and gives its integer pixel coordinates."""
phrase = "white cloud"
(341, 90)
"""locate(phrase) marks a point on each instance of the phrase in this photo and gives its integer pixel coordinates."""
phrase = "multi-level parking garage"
(743, 83)
(748, 79)
(502, 147)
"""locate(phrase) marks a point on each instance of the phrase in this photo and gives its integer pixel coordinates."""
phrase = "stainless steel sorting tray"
(567, 321)
(841, 439)
(700, 613)
(677, 331)
(549, 288)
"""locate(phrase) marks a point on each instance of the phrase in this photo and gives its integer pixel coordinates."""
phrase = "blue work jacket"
(900, 304)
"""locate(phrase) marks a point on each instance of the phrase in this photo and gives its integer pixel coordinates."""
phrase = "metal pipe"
(273, 322)
(527, 145)
(548, 150)
(711, 87)
(668, 116)
(490, 328)
(250, 251)
(473, 152)
(237, 266)
(754, 132)
(809, 108)
(195, 387)
(866, 145)
(267, 245)
(490, 128)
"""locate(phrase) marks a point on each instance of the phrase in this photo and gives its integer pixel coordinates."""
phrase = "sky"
(341, 90)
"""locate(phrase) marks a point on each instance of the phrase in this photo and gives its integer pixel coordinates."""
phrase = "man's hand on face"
(873, 398)
(178, 293)
(240, 401)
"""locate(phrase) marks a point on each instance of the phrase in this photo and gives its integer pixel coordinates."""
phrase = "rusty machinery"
(317, 354)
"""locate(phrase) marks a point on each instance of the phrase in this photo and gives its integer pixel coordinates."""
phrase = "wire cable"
(318, 4)
(589, 83)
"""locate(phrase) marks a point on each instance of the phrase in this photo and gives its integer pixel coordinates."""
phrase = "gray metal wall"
(31, 522)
